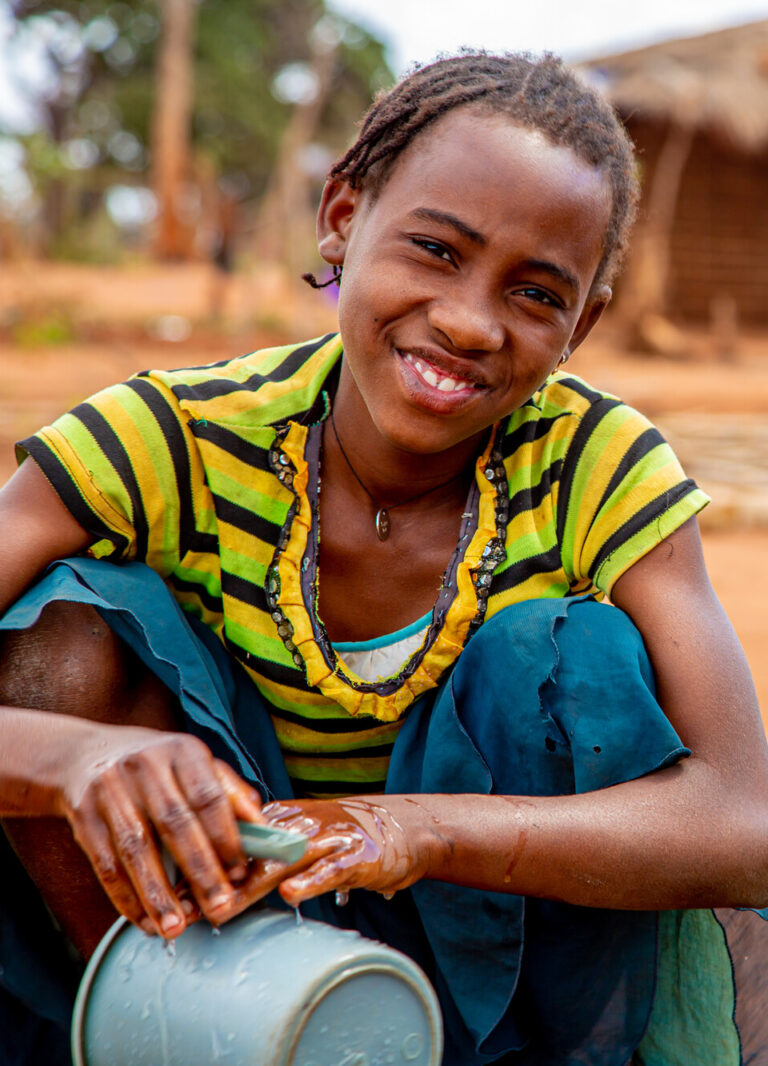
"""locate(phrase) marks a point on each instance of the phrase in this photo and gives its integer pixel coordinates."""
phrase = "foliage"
(98, 113)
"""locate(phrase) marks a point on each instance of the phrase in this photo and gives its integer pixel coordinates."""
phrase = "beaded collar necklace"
(382, 520)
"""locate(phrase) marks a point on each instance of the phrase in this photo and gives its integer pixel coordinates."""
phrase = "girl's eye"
(434, 248)
(542, 296)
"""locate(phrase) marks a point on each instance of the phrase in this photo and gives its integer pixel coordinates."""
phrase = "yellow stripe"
(352, 770)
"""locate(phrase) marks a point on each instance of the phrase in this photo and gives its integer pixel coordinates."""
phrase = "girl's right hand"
(129, 792)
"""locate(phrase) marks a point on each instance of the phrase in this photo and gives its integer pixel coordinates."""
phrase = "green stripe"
(270, 649)
(225, 484)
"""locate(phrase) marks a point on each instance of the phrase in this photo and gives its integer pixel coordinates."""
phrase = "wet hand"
(132, 791)
(352, 843)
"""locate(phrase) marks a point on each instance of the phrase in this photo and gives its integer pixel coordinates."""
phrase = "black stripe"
(589, 422)
(197, 588)
(173, 435)
(209, 390)
(200, 366)
(234, 514)
(114, 450)
(203, 543)
(544, 563)
(304, 786)
(532, 496)
(240, 588)
(529, 432)
(289, 676)
(639, 448)
(232, 443)
(582, 389)
(328, 725)
(644, 517)
(67, 490)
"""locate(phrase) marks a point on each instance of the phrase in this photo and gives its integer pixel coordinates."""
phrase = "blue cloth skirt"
(550, 697)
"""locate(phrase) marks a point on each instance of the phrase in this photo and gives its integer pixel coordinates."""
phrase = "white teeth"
(429, 376)
(440, 382)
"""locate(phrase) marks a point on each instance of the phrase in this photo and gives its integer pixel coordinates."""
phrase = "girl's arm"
(695, 834)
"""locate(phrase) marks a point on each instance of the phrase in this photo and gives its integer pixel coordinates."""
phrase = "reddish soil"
(108, 323)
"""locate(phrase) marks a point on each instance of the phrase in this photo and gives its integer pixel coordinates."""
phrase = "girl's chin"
(420, 436)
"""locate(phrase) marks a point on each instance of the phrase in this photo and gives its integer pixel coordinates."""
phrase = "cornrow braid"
(538, 93)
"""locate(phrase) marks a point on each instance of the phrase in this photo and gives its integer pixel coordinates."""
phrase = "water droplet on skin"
(215, 931)
(342, 897)
(388, 895)
(299, 918)
(170, 948)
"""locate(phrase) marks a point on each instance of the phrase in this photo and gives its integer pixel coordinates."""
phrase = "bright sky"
(417, 30)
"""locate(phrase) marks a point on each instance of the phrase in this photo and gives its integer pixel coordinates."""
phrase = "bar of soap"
(266, 842)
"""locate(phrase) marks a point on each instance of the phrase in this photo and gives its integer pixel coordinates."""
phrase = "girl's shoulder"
(261, 387)
(567, 407)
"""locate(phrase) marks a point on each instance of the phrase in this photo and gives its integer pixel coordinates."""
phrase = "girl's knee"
(70, 661)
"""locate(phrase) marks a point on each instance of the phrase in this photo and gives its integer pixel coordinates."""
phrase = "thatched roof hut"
(697, 109)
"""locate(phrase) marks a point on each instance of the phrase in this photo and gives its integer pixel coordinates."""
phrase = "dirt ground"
(67, 331)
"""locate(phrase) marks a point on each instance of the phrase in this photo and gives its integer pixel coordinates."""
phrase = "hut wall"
(719, 241)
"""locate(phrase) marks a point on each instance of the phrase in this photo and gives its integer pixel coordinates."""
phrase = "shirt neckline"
(291, 583)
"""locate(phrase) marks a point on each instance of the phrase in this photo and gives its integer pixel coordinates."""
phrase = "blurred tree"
(104, 91)
(171, 125)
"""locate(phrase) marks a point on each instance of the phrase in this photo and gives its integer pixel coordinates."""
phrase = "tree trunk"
(171, 127)
(285, 222)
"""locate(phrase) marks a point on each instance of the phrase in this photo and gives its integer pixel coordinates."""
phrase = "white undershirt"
(384, 656)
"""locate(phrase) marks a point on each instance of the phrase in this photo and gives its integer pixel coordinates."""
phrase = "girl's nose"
(469, 324)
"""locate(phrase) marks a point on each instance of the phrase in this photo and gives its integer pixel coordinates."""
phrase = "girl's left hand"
(352, 843)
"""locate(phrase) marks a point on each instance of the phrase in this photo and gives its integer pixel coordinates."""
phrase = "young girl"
(388, 547)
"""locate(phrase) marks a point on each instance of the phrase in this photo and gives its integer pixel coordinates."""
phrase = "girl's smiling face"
(466, 277)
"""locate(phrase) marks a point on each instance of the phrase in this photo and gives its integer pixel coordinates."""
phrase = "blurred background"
(160, 163)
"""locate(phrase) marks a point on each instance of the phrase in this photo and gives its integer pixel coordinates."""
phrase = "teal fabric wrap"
(549, 697)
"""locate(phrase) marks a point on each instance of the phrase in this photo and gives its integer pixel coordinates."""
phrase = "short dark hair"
(539, 93)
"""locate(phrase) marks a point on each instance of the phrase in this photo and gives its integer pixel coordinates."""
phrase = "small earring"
(334, 280)
(565, 357)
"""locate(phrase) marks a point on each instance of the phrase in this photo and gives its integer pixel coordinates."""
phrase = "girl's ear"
(593, 309)
(337, 206)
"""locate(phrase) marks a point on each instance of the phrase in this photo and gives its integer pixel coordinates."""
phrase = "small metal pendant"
(383, 525)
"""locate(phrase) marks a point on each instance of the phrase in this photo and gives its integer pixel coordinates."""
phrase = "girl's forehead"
(483, 158)
(487, 133)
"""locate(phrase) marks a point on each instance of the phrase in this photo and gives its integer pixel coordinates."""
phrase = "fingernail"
(238, 873)
(187, 906)
(223, 899)
(169, 922)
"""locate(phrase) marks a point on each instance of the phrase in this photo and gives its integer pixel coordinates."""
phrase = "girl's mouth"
(436, 378)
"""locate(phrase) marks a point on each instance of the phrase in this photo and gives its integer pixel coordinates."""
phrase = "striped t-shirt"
(210, 475)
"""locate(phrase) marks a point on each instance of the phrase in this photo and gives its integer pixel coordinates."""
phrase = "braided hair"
(537, 93)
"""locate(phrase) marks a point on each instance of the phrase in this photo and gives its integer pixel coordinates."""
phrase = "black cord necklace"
(382, 520)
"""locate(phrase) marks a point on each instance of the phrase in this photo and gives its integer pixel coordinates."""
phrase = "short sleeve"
(622, 491)
(125, 465)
